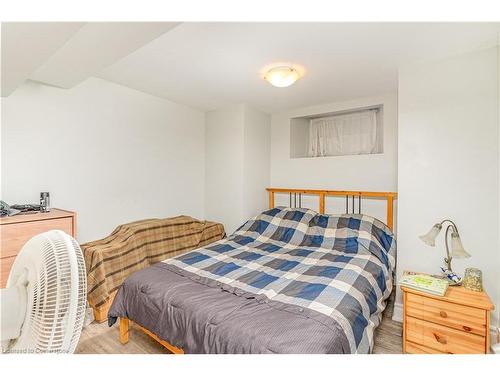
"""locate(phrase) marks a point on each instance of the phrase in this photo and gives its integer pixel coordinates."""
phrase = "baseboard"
(495, 339)
(397, 313)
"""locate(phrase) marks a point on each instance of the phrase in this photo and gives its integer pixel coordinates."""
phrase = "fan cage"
(57, 294)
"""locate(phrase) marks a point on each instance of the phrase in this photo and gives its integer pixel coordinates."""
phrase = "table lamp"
(457, 249)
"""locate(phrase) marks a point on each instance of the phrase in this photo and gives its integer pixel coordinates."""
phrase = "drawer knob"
(439, 339)
(468, 329)
(443, 314)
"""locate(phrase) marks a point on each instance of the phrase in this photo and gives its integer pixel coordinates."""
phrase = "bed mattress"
(287, 281)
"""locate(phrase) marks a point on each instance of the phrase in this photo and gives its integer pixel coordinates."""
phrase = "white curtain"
(349, 134)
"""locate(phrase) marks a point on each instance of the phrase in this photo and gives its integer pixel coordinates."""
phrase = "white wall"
(377, 172)
(109, 153)
(237, 164)
(256, 161)
(224, 166)
(449, 162)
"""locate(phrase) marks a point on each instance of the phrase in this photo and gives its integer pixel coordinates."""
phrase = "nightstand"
(456, 323)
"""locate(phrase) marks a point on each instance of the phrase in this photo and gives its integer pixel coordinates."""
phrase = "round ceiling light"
(282, 76)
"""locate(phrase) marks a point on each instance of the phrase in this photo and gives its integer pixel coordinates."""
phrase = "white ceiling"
(27, 45)
(94, 47)
(211, 65)
(64, 54)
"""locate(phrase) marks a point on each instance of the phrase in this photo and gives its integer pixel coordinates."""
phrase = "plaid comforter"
(338, 265)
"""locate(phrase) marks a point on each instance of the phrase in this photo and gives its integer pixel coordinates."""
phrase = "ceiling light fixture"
(282, 76)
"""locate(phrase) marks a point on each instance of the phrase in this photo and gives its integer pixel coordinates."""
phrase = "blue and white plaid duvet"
(338, 265)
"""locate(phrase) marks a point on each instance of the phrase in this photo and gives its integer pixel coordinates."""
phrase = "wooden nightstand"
(457, 323)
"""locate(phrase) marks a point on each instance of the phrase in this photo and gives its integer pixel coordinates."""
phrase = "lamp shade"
(457, 249)
(430, 237)
(282, 76)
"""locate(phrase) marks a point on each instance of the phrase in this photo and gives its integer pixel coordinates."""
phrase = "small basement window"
(353, 132)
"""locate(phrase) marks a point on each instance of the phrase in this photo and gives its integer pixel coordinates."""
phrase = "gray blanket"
(200, 315)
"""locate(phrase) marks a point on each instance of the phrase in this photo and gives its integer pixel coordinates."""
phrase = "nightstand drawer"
(443, 339)
(463, 318)
(413, 348)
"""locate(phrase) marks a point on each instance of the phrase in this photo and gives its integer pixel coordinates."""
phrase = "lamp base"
(442, 276)
(452, 278)
(452, 283)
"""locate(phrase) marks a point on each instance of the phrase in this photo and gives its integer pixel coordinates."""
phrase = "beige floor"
(100, 339)
(389, 334)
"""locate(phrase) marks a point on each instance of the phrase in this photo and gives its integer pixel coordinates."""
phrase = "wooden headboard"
(297, 198)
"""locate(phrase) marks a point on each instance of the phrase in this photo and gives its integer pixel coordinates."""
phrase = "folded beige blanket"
(137, 245)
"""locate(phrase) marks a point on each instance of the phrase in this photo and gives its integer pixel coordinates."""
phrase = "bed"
(290, 280)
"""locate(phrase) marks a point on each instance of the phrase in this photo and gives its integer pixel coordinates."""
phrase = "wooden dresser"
(457, 323)
(16, 230)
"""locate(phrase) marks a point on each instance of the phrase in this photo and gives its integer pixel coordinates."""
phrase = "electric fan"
(43, 306)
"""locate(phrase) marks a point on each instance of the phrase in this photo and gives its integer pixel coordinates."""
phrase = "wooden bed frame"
(101, 312)
(349, 195)
(297, 199)
(124, 333)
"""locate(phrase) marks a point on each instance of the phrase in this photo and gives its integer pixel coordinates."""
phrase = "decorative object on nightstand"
(456, 323)
(473, 279)
(457, 249)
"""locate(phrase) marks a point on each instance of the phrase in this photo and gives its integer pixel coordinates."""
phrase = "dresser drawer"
(5, 266)
(442, 338)
(14, 236)
(463, 318)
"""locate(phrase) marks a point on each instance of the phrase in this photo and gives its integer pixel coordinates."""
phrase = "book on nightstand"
(424, 283)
